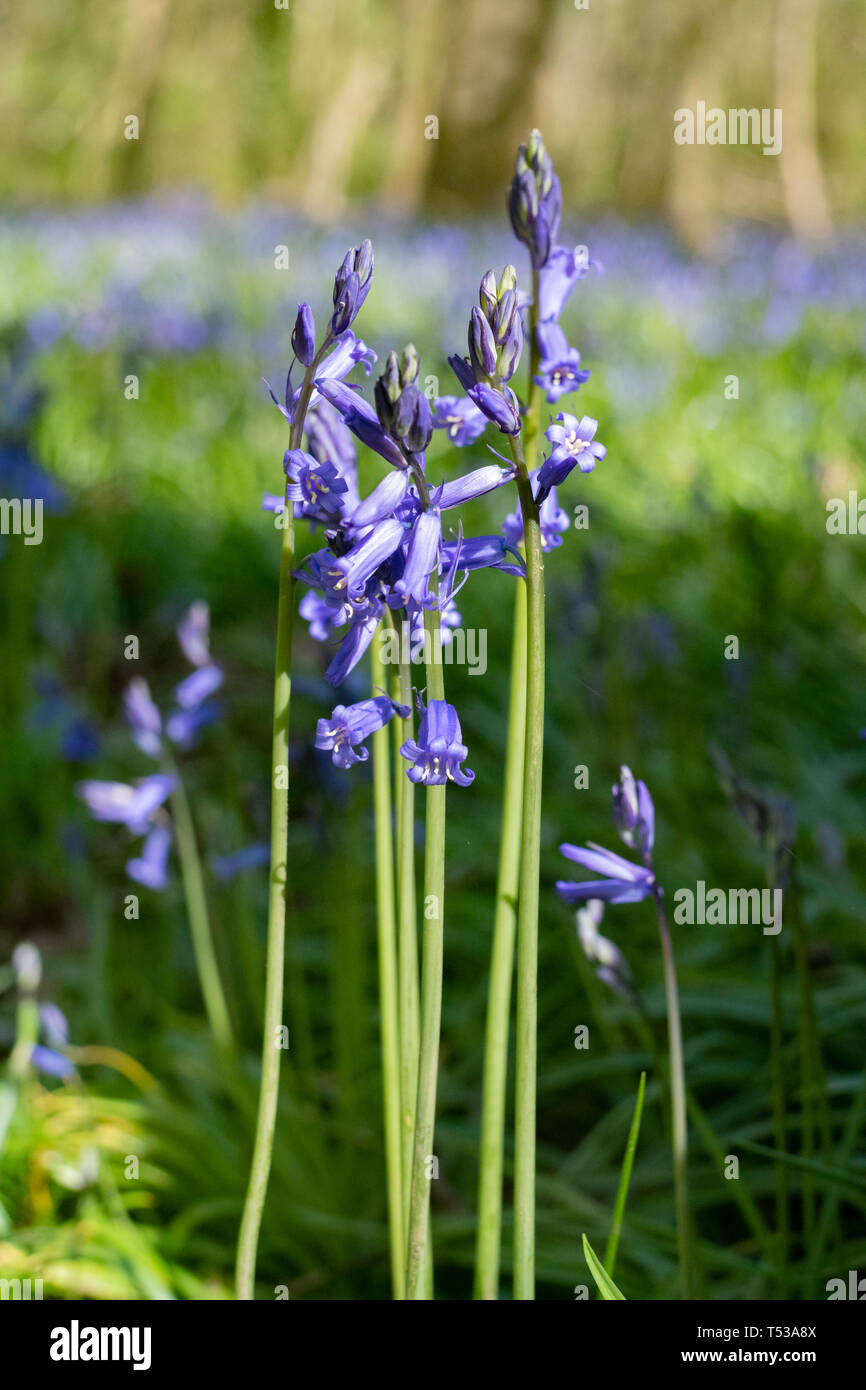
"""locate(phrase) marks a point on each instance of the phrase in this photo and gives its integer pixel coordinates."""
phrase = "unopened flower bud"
(304, 335)
(482, 346)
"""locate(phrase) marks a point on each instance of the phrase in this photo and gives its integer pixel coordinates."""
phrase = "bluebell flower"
(256, 856)
(316, 488)
(343, 734)
(483, 552)
(623, 882)
(634, 813)
(143, 717)
(183, 725)
(559, 370)
(553, 521)
(382, 502)
(437, 754)
(353, 646)
(52, 1063)
(475, 484)
(320, 615)
(460, 418)
(574, 446)
(361, 419)
(193, 633)
(150, 868)
(422, 558)
(348, 352)
(499, 406)
(196, 688)
(362, 561)
(558, 278)
(131, 806)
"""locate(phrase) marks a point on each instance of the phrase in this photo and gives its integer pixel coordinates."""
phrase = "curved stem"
(386, 936)
(678, 1101)
(527, 921)
(197, 910)
(501, 969)
(417, 1286)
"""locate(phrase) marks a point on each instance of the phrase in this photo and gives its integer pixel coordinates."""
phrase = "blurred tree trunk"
(796, 81)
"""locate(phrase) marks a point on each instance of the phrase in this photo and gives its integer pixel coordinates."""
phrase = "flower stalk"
(388, 1004)
(527, 921)
(431, 1000)
(263, 1143)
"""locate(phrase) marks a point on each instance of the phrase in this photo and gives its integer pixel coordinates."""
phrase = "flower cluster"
(389, 553)
(140, 805)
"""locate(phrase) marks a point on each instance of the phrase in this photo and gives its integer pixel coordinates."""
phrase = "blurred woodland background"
(324, 102)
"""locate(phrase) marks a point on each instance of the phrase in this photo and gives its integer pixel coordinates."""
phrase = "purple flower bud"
(437, 754)
(304, 335)
(193, 634)
(143, 717)
(509, 353)
(346, 293)
(633, 813)
(535, 199)
(351, 286)
(414, 420)
(482, 346)
(462, 369)
(487, 297)
(499, 408)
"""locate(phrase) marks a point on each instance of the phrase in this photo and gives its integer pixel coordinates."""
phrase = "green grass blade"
(606, 1287)
(624, 1179)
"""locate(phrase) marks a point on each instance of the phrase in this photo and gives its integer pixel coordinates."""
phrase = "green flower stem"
(417, 1274)
(507, 897)
(527, 920)
(679, 1126)
(263, 1144)
(501, 969)
(197, 910)
(408, 940)
(388, 1007)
